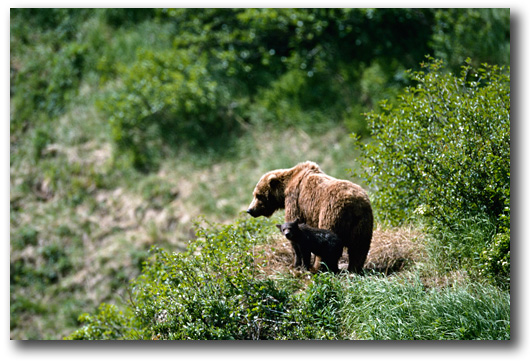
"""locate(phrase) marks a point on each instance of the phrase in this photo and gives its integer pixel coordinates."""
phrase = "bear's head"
(289, 229)
(268, 195)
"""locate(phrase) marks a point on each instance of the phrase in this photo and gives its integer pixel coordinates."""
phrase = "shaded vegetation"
(177, 77)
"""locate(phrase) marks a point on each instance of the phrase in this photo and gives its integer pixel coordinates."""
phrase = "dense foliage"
(444, 145)
(442, 150)
(215, 290)
(193, 77)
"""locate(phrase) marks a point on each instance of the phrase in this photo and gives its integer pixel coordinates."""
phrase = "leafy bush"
(495, 260)
(109, 323)
(215, 290)
(167, 98)
(443, 153)
(316, 313)
(212, 291)
(444, 147)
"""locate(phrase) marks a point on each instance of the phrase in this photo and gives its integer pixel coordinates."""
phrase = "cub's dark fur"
(306, 240)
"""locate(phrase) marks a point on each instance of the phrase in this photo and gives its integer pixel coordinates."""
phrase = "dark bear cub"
(306, 240)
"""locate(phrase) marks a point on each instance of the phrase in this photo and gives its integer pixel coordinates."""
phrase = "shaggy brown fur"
(320, 201)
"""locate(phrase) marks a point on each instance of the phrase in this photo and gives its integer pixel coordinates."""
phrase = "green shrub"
(316, 313)
(108, 323)
(442, 153)
(444, 147)
(215, 290)
(212, 291)
(495, 259)
(167, 98)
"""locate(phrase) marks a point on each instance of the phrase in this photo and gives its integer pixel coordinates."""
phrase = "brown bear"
(320, 201)
(307, 240)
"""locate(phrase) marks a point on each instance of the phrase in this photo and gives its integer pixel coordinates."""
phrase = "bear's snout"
(257, 208)
(252, 212)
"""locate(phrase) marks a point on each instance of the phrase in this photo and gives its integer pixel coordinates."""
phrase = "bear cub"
(306, 240)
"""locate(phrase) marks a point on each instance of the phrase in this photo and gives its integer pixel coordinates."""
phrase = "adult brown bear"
(320, 201)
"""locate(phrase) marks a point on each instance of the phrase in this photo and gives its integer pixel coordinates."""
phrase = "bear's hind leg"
(355, 261)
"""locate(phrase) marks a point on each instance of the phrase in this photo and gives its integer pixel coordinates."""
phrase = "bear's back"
(319, 239)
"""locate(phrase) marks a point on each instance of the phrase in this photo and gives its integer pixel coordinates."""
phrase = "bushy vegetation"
(188, 77)
(127, 124)
(444, 145)
(216, 290)
(442, 151)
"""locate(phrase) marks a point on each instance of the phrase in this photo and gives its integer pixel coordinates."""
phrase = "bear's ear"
(310, 165)
(279, 226)
(273, 180)
(297, 221)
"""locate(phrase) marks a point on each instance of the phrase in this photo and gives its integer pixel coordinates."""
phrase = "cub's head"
(289, 229)
(268, 195)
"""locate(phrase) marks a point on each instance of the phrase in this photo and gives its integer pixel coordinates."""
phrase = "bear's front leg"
(297, 255)
(306, 259)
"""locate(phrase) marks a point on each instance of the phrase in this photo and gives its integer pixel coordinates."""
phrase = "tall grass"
(474, 245)
(402, 307)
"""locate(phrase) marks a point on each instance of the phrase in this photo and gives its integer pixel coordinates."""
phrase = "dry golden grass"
(393, 249)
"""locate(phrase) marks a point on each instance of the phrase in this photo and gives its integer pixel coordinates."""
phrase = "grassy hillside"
(81, 228)
(137, 138)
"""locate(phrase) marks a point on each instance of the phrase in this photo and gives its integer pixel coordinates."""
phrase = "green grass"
(403, 307)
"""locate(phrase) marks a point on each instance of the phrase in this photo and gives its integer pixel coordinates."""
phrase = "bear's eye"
(260, 197)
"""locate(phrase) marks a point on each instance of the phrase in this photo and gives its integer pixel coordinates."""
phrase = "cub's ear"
(297, 221)
(279, 226)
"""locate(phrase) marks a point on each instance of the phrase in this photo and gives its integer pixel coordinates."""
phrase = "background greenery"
(126, 125)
